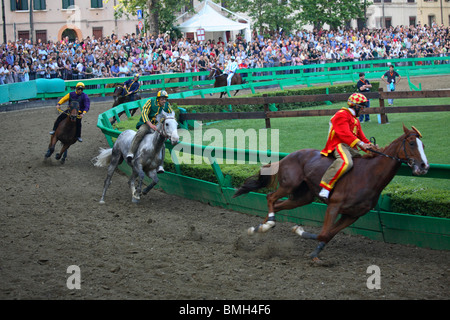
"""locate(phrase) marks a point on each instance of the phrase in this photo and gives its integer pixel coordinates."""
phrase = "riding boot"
(142, 131)
(78, 133)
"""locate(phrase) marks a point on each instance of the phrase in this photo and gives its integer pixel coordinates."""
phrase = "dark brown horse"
(66, 133)
(298, 177)
(119, 99)
(221, 79)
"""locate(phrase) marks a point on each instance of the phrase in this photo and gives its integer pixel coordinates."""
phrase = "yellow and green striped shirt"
(150, 110)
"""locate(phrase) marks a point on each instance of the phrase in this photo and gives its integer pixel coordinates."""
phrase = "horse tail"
(266, 177)
(104, 158)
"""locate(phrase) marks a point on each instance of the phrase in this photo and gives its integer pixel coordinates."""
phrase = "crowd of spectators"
(112, 56)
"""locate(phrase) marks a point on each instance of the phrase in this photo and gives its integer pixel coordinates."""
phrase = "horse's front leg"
(269, 221)
(329, 230)
(51, 146)
(62, 153)
(154, 176)
(138, 173)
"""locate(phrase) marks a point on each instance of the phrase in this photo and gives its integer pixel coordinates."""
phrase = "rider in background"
(344, 135)
(131, 87)
(147, 123)
(231, 69)
(83, 102)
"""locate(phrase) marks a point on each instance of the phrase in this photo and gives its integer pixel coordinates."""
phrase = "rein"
(407, 161)
(215, 71)
(67, 112)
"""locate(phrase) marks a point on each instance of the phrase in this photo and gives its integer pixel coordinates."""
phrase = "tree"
(270, 14)
(159, 15)
(335, 13)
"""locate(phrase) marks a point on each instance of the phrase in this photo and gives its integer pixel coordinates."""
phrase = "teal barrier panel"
(50, 85)
(22, 90)
(4, 94)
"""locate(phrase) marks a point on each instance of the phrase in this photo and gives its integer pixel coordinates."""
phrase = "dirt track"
(167, 247)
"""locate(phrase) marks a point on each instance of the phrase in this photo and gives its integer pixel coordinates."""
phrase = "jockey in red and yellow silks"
(344, 135)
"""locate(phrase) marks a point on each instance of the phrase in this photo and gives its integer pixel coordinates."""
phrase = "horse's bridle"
(409, 161)
(164, 133)
(215, 71)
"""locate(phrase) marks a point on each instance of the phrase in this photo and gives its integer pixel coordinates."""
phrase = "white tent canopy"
(212, 21)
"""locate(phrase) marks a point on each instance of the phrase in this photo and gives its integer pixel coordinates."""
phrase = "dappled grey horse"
(147, 159)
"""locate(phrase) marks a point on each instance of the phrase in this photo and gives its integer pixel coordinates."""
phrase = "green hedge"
(341, 88)
(418, 201)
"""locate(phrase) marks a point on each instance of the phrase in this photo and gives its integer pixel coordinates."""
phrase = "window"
(411, 1)
(67, 3)
(412, 21)
(39, 5)
(24, 35)
(97, 32)
(388, 22)
(96, 3)
(19, 5)
(41, 35)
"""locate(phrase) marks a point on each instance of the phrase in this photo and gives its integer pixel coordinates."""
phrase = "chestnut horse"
(119, 99)
(356, 193)
(221, 79)
(66, 133)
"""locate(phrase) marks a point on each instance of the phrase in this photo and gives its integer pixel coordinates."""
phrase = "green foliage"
(334, 13)
(158, 15)
(419, 200)
(342, 88)
(267, 14)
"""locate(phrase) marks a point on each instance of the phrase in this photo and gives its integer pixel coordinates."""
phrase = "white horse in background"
(148, 158)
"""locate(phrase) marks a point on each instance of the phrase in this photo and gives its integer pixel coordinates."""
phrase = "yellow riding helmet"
(356, 99)
(80, 85)
(137, 75)
(162, 94)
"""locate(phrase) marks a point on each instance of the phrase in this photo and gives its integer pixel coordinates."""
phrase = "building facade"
(57, 19)
(387, 13)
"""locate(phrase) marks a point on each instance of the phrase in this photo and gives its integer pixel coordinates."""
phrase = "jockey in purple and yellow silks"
(84, 105)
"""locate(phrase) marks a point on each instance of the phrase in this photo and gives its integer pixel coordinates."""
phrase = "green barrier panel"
(280, 76)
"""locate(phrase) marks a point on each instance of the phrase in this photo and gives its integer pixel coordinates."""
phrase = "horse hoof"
(251, 231)
(135, 200)
(316, 261)
(57, 156)
(102, 201)
(63, 161)
(298, 230)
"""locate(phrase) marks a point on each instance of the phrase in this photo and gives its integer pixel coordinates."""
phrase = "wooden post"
(383, 115)
(266, 109)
